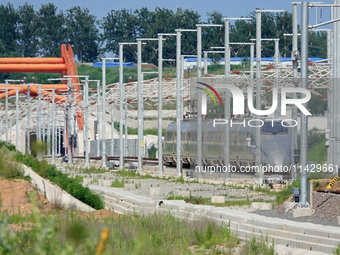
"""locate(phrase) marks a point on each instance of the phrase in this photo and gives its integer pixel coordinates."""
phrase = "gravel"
(326, 205)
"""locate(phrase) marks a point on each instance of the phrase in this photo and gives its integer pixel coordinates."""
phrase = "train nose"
(276, 153)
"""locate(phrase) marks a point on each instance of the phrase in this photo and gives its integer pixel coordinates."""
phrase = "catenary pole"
(121, 100)
(304, 118)
(104, 113)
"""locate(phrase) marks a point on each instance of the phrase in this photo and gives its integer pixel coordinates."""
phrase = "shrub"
(45, 170)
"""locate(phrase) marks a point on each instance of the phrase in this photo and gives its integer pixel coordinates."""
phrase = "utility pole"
(201, 98)
(53, 127)
(104, 113)
(178, 98)
(140, 101)
(295, 57)
(39, 114)
(121, 105)
(28, 146)
(227, 93)
(69, 115)
(86, 122)
(160, 101)
(121, 99)
(259, 173)
(17, 118)
(6, 123)
(304, 118)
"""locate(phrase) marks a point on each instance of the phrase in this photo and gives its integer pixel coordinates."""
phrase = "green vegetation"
(281, 195)
(133, 174)
(318, 152)
(67, 233)
(70, 185)
(118, 184)
(8, 169)
(87, 170)
(259, 246)
(207, 201)
(336, 251)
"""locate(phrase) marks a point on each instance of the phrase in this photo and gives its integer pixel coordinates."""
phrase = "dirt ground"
(14, 197)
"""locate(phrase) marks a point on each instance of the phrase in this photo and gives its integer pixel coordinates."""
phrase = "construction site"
(230, 148)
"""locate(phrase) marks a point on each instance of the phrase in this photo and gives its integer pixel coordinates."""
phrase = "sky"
(229, 8)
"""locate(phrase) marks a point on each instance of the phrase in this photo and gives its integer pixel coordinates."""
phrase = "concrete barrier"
(301, 212)
(266, 206)
(155, 191)
(87, 181)
(261, 206)
(55, 194)
(218, 199)
(183, 193)
(129, 186)
(107, 183)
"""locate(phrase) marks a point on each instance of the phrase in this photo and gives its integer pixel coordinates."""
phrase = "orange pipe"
(22, 89)
(56, 87)
(34, 92)
(32, 68)
(32, 61)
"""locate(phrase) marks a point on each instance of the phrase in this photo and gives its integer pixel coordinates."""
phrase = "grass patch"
(79, 178)
(45, 170)
(87, 170)
(133, 174)
(282, 195)
(207, 201)
(118, 184)
(258, 246)
(67, 233)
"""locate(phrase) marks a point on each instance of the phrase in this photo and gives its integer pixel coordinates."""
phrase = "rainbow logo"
(208, 92)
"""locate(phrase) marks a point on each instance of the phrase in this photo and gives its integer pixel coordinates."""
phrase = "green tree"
(82, 33)
(120, 26)
(8, 30)
(27, 30)
(51, 30)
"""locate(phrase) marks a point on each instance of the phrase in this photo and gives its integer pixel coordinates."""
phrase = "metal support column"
(276, 79)
(304, 118)
(205, 63)
(336, 83)
(53, 127)
(39, 114)
(86, 122)
(199, 103)
(98, 119)
(28, 145)
(259, 173)
(104, 113)
(140, 104)
(6, 118)
(252, 62)
(295, 58)
(121, 99)
(112, 129)
(17, 118)
(227, 98)
(178, 104)
(69, 115)
(160, 104)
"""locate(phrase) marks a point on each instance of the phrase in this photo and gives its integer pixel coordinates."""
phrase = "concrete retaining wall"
(54, 193)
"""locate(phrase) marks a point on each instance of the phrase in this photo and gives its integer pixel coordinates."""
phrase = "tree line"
(26, 32)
